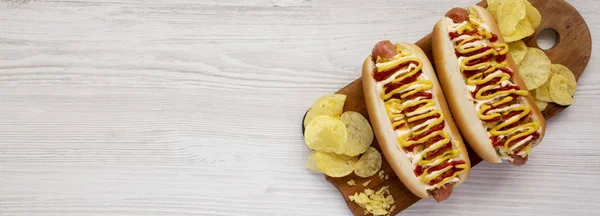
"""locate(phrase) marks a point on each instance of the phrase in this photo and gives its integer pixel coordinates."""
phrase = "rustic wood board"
(572, 49)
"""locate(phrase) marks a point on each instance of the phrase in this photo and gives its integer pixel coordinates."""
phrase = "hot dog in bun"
(412, 122)
(487, 97)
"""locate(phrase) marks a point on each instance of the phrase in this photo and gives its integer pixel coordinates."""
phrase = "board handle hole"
(547, 39)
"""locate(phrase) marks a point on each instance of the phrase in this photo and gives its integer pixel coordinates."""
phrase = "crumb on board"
(381, 174)
(351, 182)
(375, 202)
(367, 183)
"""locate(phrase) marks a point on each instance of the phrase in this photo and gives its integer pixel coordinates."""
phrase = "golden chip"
(541, 104)
(368, 164)
(518, 50)
(523, 30)
(311, 163)
(532, 14)
(325, 133)
(334, 165)
(360, 133)
(559, 90)
(509, 13)
(493, 7)
(564, 71)
(535, 68)
(331, 105)
(543, 92)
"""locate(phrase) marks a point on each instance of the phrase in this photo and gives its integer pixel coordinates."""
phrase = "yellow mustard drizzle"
(394, 106)
(478, 79)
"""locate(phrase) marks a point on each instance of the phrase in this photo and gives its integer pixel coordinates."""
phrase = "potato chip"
(331, 105)
(327, 134)
(518, 50)
(334, 165)
(559, 90)
(360, 133)
(542, 93)
(523, 30)
(535, 68)
(509, 13)
(493, 7)
(368, 164)
(532, 14)
(541, 104)
(311, 163)
(564, 71)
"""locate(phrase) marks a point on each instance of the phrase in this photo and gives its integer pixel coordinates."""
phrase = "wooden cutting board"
(573, 49)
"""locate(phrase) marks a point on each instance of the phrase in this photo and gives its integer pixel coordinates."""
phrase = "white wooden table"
(183, 107)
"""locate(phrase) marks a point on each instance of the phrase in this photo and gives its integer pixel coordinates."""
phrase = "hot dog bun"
(387, 137)
(454, 87)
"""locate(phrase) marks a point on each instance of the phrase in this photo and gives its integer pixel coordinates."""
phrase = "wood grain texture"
(573, 49)
(183, 107)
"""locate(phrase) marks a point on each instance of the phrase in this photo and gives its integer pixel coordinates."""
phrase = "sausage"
(384, 49)
(518, 160)
(442, 193)
(458, 15)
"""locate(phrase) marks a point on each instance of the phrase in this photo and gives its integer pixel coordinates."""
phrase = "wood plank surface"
(572, 49)
(185, 107)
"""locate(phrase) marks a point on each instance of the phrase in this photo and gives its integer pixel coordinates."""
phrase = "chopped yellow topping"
(376, 203)
(351, 182)
(381, 174)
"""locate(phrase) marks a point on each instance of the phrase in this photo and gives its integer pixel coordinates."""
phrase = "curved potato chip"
(334, 165)
(541, 104)
(360, 133)
(517, 50)
(523, 30)
(535, 68)
(564, 71)
(331, 105)
(368, 164)
(543, 92)
(532, 14)
(558, 90)
(325, 133)
(493, 7)
(311, 162)
(509, 13)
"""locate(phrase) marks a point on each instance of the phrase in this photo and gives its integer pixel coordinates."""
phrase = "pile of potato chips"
(547, 82)
(337, 139)
(517, 19)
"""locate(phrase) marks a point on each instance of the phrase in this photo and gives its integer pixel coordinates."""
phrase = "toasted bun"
(453, 84)
(385, 133)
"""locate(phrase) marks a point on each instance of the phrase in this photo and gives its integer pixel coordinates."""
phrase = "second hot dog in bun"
(412, 121)
(488, 98)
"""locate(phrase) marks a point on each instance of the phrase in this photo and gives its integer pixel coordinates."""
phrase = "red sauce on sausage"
(379, 76)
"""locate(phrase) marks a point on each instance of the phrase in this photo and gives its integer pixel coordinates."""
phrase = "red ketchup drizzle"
(496, 141)
(430, 131)
(447, 173)
(477, 51)
(535, 136)
(426, 143)
(405, 81)
(494, 38)
(500, 58)
(379, 76)
(439, 151)
(511, 114)
(480, 60)
(425, 95)
(419, 171)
